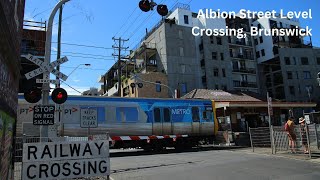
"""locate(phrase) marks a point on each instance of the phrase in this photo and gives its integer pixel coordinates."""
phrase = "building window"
(181, 51)
(307, 74)
(256, 41)
(262, 52)
(216, 86)
(258, 54)
(236, 83)
(297, 74)
(183, 68)
(180, 34)
(223, 73)
(309, 89)
(289, 75)
(291, 90)
(221, 56)
(224, 87)
(287, 60)
(214, 55)
(318, 60)
(219, 41)
(158, 86)
(216, 72)
(183, 87)
(186, 19)
(294, 62)
(304, 61)
(261, 39)
(211, 39)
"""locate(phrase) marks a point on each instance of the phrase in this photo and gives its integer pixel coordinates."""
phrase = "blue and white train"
(132, 122)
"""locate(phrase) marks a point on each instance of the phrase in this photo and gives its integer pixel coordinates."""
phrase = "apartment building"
(255, 64)
(288, 66)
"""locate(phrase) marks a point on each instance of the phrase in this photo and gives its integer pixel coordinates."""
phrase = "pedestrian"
(303, 130)
(289, 127)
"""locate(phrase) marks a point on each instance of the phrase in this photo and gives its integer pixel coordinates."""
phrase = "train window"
(204, 115)
(156, 115)
(207, 116)
(195, 114)
(127, 114)
(166, 115)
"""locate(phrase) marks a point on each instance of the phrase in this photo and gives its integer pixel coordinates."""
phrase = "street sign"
(88, 118)
(46, 81)
(46, 68)
(43, 115)
(65, 159)
(307, 118)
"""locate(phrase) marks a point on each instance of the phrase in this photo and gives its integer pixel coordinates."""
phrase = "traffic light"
(145, 5)
(33, 95)
(59, 96)
(162, 9)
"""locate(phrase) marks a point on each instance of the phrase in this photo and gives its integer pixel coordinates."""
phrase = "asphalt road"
(211, 165)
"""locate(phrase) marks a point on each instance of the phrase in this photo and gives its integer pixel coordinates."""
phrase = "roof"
(223, 96)
(240, 99)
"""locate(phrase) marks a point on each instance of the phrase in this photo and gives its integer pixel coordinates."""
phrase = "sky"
(89, 25)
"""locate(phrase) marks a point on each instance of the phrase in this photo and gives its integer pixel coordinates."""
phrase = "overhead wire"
(127, 20)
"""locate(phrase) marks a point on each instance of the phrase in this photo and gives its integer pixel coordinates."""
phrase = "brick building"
(11, 19)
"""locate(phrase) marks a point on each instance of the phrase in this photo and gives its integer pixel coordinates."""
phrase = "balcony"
(244, 84)
(113, 91)
(245, 70)
(242, 56)
(240, 42)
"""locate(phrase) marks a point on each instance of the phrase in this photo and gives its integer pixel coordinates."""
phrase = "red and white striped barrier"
(137, 138)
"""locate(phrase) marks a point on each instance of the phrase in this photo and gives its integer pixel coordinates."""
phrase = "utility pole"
(119, 48)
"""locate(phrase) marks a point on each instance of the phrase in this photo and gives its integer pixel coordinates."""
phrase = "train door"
(195, 121)
(166, 121)
(207, 122)
(161, 121)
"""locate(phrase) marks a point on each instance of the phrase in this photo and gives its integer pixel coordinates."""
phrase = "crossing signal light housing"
(145, 5)
(33, 95)
(59, 96)
(162, 9)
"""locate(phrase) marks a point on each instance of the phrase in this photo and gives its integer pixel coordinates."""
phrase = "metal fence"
(21, 140)
(279, 141)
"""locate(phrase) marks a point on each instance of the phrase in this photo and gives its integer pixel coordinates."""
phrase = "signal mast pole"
(46, 75)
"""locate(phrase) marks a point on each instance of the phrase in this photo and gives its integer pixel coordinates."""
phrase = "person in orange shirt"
(292, 134)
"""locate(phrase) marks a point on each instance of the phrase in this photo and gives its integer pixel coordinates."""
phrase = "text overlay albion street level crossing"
(65, 159)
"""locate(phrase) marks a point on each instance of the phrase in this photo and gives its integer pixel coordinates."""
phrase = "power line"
(127, 21)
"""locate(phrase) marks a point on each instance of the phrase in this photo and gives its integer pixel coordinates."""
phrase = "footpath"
(315, 155)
